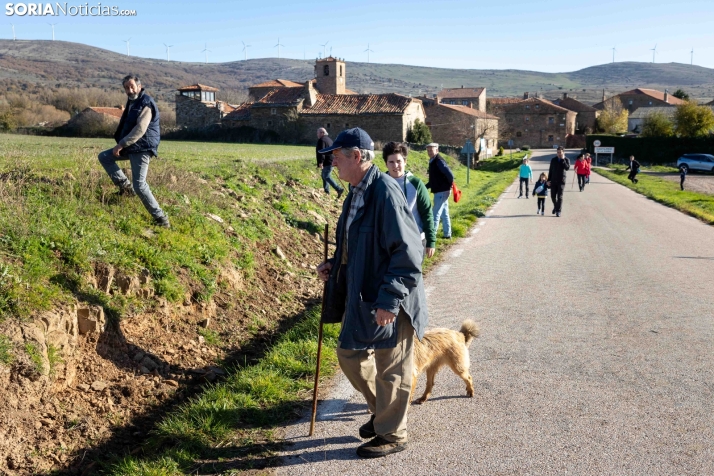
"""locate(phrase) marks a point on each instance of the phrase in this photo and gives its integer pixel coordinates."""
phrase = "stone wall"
(380, 127)
(455, 128)
(193, 113)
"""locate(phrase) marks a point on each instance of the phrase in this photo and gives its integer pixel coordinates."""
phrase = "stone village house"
(196, 106)
(640, 97)
(106, 115)
(295, 111)
(454, 124)
(475, 98)
(586, 119)
(537, 122)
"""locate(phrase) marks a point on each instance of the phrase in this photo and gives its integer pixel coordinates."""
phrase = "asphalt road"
(596, 354)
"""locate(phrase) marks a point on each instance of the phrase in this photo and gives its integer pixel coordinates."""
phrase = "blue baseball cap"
(350, 138)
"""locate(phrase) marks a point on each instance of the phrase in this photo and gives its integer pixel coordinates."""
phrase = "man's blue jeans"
(139, 170)
(441, 210)
(327, 180)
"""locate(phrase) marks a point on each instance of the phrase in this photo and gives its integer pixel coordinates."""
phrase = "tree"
(691, 120)
(418, 133)
(657, 124)
(679, 93)
(613, 119)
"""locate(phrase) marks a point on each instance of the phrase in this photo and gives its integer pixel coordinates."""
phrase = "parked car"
(696, 162)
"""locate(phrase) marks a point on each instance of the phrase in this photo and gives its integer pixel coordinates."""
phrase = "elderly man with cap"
(440, 181)
(375, 288)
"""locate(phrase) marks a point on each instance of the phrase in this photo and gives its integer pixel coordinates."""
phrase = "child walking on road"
(540, 190)
(526, 175)
(682, 177)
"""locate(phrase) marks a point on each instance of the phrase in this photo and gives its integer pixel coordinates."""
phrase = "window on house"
(273, 111)
(270, 123)
(528, 119)
(347, 125)
(550, 138)
(562, 125)
(630, 102)
(650, 103)
(551, 120)
(340, 70)
(528, 107)
(464, 103)
(326, 70)
(518, 134)
(537, 106)
(328, 126)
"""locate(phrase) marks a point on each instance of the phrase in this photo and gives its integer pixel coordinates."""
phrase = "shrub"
(500, 151)
(657, 125)
(525, 147)
(419, 133)
(691, 120)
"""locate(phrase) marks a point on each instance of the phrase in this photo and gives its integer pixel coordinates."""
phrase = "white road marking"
(443, 269)
(475, 230)
(457, 253)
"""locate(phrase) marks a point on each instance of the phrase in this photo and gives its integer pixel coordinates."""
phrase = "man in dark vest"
(324, 162)
(559, 165)
(137, 138)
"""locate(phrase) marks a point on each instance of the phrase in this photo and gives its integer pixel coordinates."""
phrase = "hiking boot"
(367, 430)
(126, 190)
(162, 222)
(378, 447)
(339, 193)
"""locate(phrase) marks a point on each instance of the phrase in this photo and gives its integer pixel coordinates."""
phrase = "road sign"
(510, 143)
(468, 148)
(597, 143)
(604, 150)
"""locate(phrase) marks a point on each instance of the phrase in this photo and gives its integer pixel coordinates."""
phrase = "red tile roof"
(109, 111)
(240, 113)
(197, 87)
(469, 111)
(359, 104)
(455, 93)
(537, 101)
(573, 105)
(653, 93)
(281, 97)
(278, 83)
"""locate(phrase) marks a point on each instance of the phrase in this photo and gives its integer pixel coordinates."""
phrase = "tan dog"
(441, 347)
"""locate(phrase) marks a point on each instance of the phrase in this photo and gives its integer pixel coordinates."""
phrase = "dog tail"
(470, 330)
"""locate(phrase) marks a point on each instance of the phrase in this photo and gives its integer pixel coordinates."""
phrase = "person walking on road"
(590, 166)
(440, 181)
(324, 162)
(137, 137)
(395, 156)
(559, 165)
(526, 177)
(540, 190)
(634, 169)
(375, 288)
(583, 170)
(682, 177)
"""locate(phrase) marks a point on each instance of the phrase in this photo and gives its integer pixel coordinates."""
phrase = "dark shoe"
(162, 222)
(126, 191)
(519, 196)
(378, 447)
(527, 196)
(554, 211)
(367, 430)
(557, 214)
(447, 238)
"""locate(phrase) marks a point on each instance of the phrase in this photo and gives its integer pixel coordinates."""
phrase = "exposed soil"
(703, 183)
(112, 386)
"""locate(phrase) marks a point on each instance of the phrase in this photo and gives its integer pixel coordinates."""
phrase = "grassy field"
(60, 218)
(667, 192)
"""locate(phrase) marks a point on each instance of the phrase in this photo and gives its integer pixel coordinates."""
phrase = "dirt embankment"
(82, 385)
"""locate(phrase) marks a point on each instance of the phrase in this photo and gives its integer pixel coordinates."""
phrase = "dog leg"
(430, 374)
(462, 370)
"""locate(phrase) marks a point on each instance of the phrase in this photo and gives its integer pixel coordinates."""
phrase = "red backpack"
(456, 192)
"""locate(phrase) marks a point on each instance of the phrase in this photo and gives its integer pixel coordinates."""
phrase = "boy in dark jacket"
(634, 169)
(440, 180)
(540, 190)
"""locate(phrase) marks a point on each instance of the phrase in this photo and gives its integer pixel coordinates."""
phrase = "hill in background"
(65, 64)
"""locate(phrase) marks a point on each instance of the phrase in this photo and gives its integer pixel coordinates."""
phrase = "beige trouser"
(384, 377)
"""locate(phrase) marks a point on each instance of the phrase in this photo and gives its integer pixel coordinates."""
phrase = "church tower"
(330, 75)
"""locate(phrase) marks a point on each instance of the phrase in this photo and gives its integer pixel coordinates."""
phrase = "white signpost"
(603, 150)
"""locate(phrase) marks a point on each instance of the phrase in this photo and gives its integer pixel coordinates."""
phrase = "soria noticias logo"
(65, 9)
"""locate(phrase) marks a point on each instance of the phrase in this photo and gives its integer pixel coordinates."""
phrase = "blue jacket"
(440, 176)
(149, 142)
(525, 171)
(383, 269)
(542, 193)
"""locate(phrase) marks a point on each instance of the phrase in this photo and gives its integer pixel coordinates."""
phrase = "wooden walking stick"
(572, 185)
(319, 347)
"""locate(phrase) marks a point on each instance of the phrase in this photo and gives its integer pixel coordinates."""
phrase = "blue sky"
(549, 36)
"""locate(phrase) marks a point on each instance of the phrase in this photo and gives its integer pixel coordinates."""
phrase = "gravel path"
(703, 183)
(595, 355)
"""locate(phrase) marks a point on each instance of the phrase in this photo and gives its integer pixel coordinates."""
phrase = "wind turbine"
(53, 30)
(691, 60)
(654, 52)
(168, 51)
(368, 52)
(278, 46)
(13, 32)
(245, 51)
(324, 49)
(206, 51)
(127, 46)
(613, 54)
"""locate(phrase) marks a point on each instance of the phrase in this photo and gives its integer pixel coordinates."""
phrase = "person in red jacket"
(590, 166)
(582, 169)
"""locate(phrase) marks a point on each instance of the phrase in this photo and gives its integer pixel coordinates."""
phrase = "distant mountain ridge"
(60, 63)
